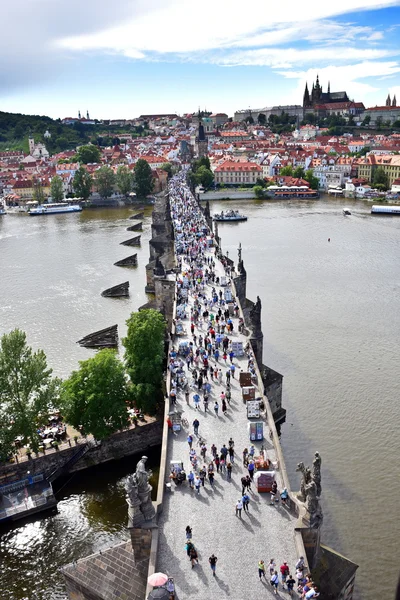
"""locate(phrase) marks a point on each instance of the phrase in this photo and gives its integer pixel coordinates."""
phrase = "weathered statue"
(311, 497)
(142, 475)
(316, 474)
(305, 480)
(131, 488)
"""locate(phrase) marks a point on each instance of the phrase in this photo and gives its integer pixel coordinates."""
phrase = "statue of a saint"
(311, 497)
(131, 488)
(316, 475)
(142, 475)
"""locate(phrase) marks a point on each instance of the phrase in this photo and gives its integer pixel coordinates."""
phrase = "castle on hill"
(317, 96)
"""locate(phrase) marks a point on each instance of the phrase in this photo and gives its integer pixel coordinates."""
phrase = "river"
(331, 325)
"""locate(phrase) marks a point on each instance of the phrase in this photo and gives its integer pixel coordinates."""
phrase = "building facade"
(236, 173)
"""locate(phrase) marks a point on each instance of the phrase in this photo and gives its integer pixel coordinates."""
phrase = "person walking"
(251, 468)
(213, 563)
(203, 451)
(274, 490)
(228, 396)
(189, 545)
(261, 569)
(228, 376)
(231, 453)
(244, 484)
(290, 582)
(233, 369)
(193, 556)
(239, 506)
(202, 475)
(216, 408)
(271, 566)
(187, 395)
(196, 425)
(191, 479)
(246, 501)
(284, 569)
(229, 470)
(224, 407)
(205, 402)
(196, 400)
(211, 477)
(197, 484)
(190, 440)
(188, 532)
(214, 450)
(275, 581)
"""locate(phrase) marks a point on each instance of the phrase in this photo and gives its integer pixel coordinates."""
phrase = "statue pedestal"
(146, 504)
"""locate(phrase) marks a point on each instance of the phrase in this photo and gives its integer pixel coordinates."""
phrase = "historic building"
(318, 97)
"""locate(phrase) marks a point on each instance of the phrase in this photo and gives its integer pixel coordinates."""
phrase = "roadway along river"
(331, 324)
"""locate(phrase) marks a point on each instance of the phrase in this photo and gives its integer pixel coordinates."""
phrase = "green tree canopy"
(204, 177)
(88, 153)
(312, 180)
(56, 189)
(298, 172)
(379, 177)
(124, 179)
(262, 119)
(82, 183)
(27, 390)
(94, 398)
(38, 193)
(259, 191)
(104, 179)
(168, 168)
(144, 356)
(204, 161)
(286, 171)
(143, 178)
(366, 120)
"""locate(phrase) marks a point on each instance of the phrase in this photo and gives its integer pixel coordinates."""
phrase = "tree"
(205, 177)
(204, 161)
(378, 122)
(249, 120)
(124, 179)
(89, 153)
(38, 193)
(27, 390)
(104, 179)
(286, 171)
(258, 191)
(167, 167)
(82, 183)
(143, 178)
(260, 182)
(94, 398)
(380, 178)
(56, 189)
(312, 180)
(298, 172)
(261, 119)
(366, 120)
(144, 356)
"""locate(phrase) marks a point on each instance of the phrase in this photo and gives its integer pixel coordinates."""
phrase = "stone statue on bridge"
(316, 474)
(310, 490)
(139, 495)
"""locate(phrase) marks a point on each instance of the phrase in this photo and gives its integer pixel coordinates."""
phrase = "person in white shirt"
(239, 506)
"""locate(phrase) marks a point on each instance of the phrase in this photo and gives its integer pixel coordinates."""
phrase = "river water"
(331, 325)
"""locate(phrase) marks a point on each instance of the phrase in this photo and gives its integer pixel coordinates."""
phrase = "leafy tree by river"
(28, 391)
(143, 178)
(105, 180)
(56, 189)
(124, 180)
(144, 356)
(82, 183)
(94, 398)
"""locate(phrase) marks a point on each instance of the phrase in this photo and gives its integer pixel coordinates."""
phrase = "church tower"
(388, 101)
(201, 140)
(87, 115)
(79, 114)
(306, 97)
(394, 101)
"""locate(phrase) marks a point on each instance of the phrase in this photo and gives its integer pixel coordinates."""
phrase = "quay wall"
(131, 441)
(227, 194)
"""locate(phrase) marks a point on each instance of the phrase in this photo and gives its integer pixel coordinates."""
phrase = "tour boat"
(385, 210)
(346, 211)
(54, 209)
(229, 215)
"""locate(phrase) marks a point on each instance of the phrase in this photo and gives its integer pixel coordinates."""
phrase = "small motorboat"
(229, 216)
(346, 211)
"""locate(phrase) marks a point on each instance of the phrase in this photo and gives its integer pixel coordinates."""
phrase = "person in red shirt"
(284, 573)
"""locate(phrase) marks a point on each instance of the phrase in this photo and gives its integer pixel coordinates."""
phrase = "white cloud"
(171, 29)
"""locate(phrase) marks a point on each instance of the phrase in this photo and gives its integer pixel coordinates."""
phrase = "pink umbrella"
(157, 579)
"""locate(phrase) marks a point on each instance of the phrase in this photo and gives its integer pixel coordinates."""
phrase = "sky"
(124, 58)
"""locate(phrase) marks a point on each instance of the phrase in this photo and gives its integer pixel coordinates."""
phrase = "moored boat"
(54, 209)
(376, 209)
(346, 211)
(229, 216)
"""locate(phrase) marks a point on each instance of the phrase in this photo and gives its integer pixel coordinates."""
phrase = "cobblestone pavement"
(239, 543)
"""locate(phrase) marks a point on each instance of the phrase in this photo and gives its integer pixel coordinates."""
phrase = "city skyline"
(159, 58)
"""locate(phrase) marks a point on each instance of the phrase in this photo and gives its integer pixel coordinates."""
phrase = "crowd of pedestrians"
(204, 370)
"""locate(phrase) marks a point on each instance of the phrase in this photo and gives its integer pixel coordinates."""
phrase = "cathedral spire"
(306, 97)
(394, 101)
(329, 87)
(388, 101)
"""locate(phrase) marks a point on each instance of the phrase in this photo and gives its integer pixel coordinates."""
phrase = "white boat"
(385, 210)
(229, 216)
(54, 209)
(346, 211)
